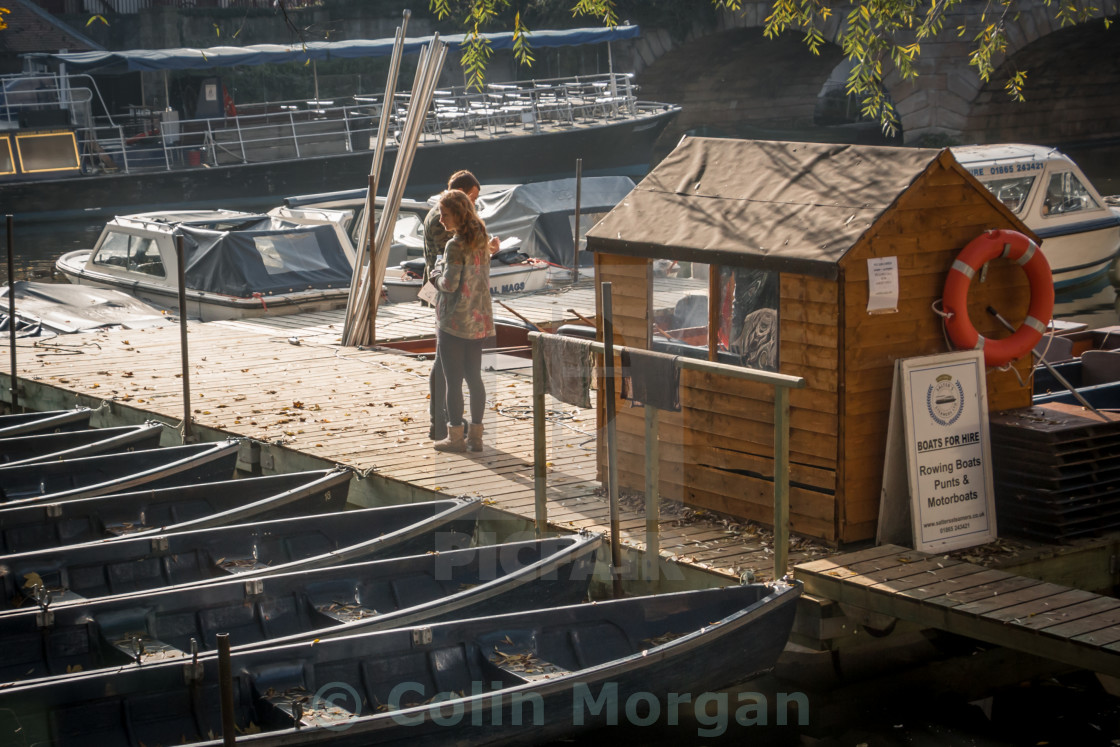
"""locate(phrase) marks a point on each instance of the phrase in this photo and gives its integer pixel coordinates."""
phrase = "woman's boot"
(474, 437)
(455, 440)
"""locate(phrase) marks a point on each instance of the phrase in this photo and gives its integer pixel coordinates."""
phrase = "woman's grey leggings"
(461, 359)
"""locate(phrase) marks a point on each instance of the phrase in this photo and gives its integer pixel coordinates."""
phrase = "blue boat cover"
(269, 257)
(184, 58)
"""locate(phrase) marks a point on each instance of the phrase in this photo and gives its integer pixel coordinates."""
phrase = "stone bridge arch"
(1072, 74)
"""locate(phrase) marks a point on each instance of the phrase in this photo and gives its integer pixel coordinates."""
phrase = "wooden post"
(612, 440)
(781, 480)
(540, 472)
(14, 389)
(714, 302)
(188, 436)
(653, 495)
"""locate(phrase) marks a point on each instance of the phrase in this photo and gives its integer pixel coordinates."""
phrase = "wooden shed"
(745, 225)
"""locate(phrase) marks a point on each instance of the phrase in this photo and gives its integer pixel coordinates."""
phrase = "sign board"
(938, 438)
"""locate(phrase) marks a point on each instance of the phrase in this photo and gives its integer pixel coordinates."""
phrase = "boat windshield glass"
(1012, 192)
(1066, 194)
(291, 252)
(130, 252)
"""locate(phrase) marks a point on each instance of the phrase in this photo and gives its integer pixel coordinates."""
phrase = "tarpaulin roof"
(793, 207)
(184, 58)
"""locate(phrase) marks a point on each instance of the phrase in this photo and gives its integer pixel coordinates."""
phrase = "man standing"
(435, 240)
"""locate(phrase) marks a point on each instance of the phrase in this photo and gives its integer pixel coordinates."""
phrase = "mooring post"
(540, 470)
(188, 435)
(612, 441)
(225, 685)
(14, 389)
(781, 480)
(653, 495)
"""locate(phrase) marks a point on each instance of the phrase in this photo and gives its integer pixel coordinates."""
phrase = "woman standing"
(465, 317)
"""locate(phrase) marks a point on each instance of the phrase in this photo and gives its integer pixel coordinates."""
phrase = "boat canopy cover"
(185, 58)
(66, 309)
(271, 256)
(542, 214)
(785, 206)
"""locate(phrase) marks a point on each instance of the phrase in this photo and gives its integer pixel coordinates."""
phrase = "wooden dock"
(287, 385)
(937, 591)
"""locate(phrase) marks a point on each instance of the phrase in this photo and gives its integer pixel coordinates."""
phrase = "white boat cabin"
(1046, 190)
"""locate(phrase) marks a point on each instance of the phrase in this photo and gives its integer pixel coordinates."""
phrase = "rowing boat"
(521, 678)
(305, 605)
(49, 447)
(141, 564)
(38, 526)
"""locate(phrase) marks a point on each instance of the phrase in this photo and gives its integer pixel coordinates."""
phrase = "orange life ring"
(984, 248)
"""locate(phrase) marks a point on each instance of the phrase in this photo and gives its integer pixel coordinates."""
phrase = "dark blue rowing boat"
(49, 447)
(521, 678)
(140, 564)
(305, 605)
(49, 421)
(83, 477)
(39, 526)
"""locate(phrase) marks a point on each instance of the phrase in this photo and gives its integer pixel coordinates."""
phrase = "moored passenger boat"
(74, 160)
(1044, 188)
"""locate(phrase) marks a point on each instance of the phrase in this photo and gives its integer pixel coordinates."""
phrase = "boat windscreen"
(241, 263)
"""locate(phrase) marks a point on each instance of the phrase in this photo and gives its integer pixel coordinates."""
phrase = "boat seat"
(240, 565)
(1100, 367)
(1054, 349)
(151, 650)
(345, 613)
(311, 713)
(522, 665)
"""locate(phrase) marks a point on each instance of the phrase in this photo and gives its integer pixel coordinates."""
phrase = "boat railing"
(278, 130)
(46, 101)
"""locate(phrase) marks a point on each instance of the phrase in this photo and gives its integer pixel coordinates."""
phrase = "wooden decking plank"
(1078, 628)
(871, 553)
(1041, 609)
(1003, 600)
(1071, 613)
(919, 585)
(956, 580)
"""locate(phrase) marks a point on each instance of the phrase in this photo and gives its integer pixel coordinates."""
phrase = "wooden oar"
(519, 316)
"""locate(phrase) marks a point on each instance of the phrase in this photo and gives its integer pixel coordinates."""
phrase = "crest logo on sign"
(945, 399)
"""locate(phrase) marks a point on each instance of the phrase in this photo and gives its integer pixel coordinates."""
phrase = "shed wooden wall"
(927, 227)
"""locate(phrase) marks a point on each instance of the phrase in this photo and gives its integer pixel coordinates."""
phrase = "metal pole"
(188, 436)
(540, 472)
(14, 389)
(781, 480)
(1053, 371)
(653, 495)
(575, 240)
(612, 441)
(225, 685)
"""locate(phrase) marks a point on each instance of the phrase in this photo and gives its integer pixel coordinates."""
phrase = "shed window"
(746, 331)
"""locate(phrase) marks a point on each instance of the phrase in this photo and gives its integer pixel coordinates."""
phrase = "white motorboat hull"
(531, 275)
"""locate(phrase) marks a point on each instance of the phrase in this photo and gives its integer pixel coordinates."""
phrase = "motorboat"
(236, 264)
(1044, 188)
(64, 155)
(511, 271)
(520, 678)
(32, 527)
(304, 605)
(138, 565)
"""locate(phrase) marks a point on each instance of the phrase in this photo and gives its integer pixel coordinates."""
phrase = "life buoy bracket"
(1006, 244)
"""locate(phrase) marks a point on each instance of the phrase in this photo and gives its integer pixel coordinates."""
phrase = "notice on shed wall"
(940, 404)
(882, 285)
